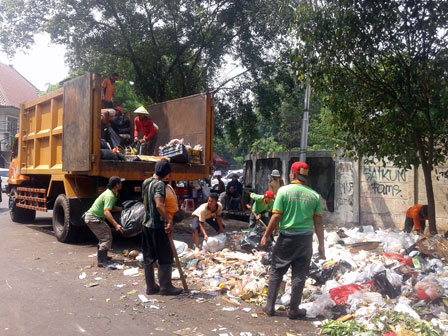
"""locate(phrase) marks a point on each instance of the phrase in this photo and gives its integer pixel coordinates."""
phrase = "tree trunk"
(429, 195)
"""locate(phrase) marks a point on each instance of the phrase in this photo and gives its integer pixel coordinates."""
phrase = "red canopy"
(219, 161)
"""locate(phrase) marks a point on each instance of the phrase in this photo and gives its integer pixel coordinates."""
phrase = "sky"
(42, 64)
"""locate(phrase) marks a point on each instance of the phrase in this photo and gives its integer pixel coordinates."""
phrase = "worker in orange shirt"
(108, 91)
(416, 217)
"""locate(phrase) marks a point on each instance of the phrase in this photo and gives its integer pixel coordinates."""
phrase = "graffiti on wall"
(385, 181)
(346, 185)
(441, 174)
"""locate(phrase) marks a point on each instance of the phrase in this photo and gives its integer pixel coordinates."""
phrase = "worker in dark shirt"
(220, 187)
(236, 184)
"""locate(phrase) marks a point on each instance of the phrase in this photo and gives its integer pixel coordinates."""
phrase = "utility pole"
(305, 120)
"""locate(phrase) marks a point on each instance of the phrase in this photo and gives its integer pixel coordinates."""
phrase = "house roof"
(14, 88)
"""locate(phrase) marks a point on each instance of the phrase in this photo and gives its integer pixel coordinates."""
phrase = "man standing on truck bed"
(98, 212)
(148, 129)
(108, 91)
(157, 225)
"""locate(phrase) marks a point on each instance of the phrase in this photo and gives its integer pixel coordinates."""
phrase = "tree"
(323, 135)
(383, 66)
(169, 48)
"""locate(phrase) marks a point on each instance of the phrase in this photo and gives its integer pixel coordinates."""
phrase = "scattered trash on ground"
(378, 282)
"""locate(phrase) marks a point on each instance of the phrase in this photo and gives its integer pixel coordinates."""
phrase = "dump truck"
(56, 162)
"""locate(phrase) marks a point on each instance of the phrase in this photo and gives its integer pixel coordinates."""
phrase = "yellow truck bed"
(60, 133)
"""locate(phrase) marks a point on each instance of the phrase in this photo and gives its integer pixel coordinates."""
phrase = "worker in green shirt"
(98, 213)
(262, 204)
(297, 214)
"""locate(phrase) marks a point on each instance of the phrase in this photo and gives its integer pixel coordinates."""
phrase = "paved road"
(41, 293)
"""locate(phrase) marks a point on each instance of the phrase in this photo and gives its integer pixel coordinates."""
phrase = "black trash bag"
(120, 122)
(124, 131)
(339, 310)
(321, 276)
(251, 240)
(179, 216)
(132, 218)
(383, 285)
(107, 154)
(104, 144)
(121, 157)
(115, 139)
(267, 259)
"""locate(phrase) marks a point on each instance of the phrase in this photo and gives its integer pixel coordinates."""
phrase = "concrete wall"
(354, 193)
(385, 195)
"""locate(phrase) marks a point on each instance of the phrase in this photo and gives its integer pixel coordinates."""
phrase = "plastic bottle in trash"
(192, 263)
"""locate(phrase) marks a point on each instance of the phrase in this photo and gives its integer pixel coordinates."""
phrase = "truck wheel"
(17, 214)
(63, 229)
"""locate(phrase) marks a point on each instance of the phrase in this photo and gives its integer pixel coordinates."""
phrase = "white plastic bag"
(405, 308)
(321, 307)
(373, 297)
(215, 244)
(332, 238)
(181, 248)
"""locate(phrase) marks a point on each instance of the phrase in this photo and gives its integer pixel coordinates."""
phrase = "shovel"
(258, 219)
(179, 267)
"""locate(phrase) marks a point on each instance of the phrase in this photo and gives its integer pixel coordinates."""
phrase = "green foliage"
(389, 318)
(126, 97)
(381, 67)
(267, 145)
(239, 160)
(322, 134)
(336, 328)
(52, 87)
(383, 322)
(174, 48)
(169, 48)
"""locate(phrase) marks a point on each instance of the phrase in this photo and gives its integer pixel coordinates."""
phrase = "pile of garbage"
(216, 270)
(377, 282)
(383, 281)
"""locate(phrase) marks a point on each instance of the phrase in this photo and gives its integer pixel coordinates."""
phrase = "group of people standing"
(297, 214)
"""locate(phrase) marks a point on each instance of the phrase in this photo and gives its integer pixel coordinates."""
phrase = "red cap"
(269, 194)
(118, 108)
(300, 168)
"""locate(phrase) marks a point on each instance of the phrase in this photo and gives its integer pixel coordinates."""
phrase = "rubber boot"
(273, 288)
(294, 312)
(98, 248)
(151, 286)
(166, 287)
(102, 258)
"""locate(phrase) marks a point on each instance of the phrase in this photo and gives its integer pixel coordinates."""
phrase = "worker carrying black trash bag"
(297, 213)
(99, 212)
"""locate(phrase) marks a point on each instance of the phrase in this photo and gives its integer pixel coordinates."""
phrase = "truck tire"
(63, 228)
(17, 214)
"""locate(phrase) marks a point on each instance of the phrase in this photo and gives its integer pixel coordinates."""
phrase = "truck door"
(77, 123)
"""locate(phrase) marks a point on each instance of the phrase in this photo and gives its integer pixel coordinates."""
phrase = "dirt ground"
(41, 292)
